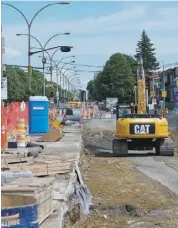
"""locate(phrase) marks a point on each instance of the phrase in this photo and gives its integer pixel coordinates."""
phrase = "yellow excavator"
(140, 130)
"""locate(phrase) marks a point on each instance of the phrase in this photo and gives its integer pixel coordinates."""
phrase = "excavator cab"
(122, 111)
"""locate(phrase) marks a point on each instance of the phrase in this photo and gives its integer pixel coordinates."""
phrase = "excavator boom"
(141, 87)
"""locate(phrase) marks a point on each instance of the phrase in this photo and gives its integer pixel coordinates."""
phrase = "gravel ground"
(123, 196)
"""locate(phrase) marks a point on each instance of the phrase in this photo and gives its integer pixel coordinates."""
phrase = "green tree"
(101, 87)
(132, 62)
(119, 78)
(147, 51)
(116, 80)
(17, 84)
(90, 88)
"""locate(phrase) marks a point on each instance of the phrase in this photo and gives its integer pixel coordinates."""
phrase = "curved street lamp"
(58, 70)
(57, 65)
(76, 87)
(76, 80)
(68, 81)
(71, 77)
(43, 50)
(74, 84)
(29, 24)
(63, 73)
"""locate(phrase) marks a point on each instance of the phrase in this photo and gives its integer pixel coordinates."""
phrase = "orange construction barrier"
(13, 113)
(84, 114)
(88, 113)
(3, 128)
(91, 113)
(94, 113)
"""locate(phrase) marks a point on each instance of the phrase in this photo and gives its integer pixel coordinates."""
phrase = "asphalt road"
(161, 169)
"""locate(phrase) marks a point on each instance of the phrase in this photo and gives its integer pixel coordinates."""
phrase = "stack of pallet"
(14, 157)
(42, 167)
(39, 188)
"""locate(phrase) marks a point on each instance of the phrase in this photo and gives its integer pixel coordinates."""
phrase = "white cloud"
(130, 21)
(11, 53)
(102, 35)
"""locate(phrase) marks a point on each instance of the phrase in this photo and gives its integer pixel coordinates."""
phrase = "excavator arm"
(141, 87)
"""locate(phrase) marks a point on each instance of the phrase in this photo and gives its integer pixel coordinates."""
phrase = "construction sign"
(51, 100)
(164, 94)
(154, 102)
(3, 88)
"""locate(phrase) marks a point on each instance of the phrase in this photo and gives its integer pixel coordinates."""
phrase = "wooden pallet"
(39, 188)
(9, 159)
(42, 167)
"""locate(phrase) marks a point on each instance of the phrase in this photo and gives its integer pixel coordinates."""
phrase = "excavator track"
(165, 147)
(120, 147)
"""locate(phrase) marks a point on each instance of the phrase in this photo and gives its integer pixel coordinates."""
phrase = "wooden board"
(44, 168)
(8, 159)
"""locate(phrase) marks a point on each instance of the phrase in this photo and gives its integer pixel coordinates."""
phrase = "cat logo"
(142, 129)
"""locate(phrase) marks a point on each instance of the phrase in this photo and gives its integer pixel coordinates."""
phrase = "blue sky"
(98, 30)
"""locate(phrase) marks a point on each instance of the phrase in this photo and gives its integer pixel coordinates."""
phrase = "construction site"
(94, 144)
(69, 177)
(82, 167)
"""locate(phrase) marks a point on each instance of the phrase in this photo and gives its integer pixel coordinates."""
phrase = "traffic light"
(65, 49)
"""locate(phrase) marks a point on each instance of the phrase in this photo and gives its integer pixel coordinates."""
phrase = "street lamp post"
(64, 74)
(68, 81)
(56, 66)
(58, 72)
(43, 50)
(29, 24)
(74, 82)
(52, 61)
(65, 79)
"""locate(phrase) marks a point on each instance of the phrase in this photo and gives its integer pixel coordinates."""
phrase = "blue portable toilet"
(38, 115)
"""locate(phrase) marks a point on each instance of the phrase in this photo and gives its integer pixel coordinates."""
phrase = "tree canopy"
(17, 84)
(90, 88)
(147, 51)
(116, 80)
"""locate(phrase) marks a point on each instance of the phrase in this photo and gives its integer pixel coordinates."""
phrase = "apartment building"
(170, 74)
